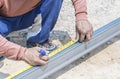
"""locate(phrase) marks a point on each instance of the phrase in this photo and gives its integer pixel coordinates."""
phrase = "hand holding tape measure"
(35, 56)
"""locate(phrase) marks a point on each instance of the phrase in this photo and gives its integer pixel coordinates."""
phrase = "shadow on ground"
(19, 37)
(62, 36)
(2, 75)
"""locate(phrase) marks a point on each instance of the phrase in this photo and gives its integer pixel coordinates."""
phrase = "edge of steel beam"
(73, 52)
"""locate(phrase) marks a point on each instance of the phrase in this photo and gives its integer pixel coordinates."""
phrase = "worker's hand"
(33, 57)
(84, 30)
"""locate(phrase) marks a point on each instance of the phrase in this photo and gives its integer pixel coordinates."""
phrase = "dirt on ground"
(101, 63)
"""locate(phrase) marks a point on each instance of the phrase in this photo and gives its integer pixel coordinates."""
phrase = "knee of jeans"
(58, 1)
(4, 32)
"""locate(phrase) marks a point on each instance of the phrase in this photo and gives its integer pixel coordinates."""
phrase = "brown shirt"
(10, 8)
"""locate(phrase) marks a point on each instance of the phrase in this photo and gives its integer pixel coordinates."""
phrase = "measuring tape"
(50, 55)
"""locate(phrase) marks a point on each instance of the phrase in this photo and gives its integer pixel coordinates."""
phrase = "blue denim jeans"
(1, 58)
(49, 10)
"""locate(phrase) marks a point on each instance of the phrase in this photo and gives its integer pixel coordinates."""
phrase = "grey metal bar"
(75, 51)
(3, 75)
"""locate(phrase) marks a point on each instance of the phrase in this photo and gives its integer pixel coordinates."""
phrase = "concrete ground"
(101, 63)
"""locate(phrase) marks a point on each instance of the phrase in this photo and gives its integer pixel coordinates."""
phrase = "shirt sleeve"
(1, 3)
(80, 9)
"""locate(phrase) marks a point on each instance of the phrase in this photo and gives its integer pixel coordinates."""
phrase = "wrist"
(2, 41)
(81, 16)
(21, 53)
(11, 50)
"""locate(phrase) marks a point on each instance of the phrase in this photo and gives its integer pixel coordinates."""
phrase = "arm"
(17, 52)
(80, 9)
(10, 50)
(83, 27)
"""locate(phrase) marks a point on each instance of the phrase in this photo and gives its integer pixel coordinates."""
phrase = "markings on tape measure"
(61, 48)
(19, 72)
(50, 55)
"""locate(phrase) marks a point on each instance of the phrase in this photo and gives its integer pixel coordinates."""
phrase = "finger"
(82, 37)
(77, 36)
(40, 62)
(91, 31)
(88, 36)
(45, 58)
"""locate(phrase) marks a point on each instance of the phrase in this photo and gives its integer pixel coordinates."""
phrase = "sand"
(101, 63)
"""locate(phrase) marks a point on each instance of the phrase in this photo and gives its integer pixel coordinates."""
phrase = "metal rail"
(73, 52)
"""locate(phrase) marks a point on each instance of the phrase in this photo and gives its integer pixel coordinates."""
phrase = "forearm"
(80, 9)
(10, 50)
(17, 52)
